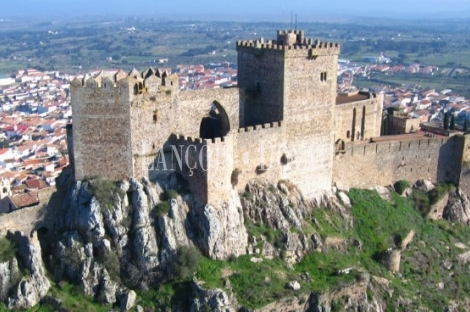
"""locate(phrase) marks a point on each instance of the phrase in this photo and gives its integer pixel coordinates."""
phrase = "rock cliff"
(267, 248)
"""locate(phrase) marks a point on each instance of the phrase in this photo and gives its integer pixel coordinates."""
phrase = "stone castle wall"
(261, 83)
(281, 123)
(32, 218)
(309, 109)
(359, 120)
(464, 181)
(155, 117)
(366, 165)
(257, 153)
(101, 123)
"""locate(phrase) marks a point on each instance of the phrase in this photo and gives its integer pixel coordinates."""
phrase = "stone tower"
(293, 80)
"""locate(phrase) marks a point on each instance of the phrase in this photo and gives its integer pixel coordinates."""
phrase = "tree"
(452, 122)
(446, 120)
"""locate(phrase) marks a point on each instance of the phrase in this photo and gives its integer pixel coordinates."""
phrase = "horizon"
(243, 10)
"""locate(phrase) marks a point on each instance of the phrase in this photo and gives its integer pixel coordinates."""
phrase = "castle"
(284, 121)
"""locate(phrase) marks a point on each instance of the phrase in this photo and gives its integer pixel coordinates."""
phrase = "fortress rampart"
(284, 121)
(358, 116)
(363, 165)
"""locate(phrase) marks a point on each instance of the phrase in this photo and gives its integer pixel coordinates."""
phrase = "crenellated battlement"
(309, 45)
(180, 138)
(271, 125)
(187, 139)
(141, 82)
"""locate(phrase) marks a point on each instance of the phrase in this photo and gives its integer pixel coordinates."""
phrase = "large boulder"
(220, 230)
(9, 277)
(31, 289)
(457, 208)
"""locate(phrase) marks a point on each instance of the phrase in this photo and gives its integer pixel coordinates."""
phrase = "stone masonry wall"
(366, 165)
(101, 136)
(261, 83)
(156, 116)
(32, 218)
(258, 146)
(464, 182)
(344, 117)
(309, 104)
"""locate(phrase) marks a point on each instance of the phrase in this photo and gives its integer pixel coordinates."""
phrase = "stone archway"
(216, 124)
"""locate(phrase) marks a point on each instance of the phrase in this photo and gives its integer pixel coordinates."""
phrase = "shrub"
(272, 188)
(104, 192)
(186, 262)
(337, 305)
(424, 201)
(401, 186)
(247, 196)
(171, 194)
(162, 208)
(113, 266)
(7, 249)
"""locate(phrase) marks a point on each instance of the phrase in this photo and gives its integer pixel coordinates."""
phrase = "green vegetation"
(7, 249)
(171, 194)
(273, 236)
(186, 262)
(247, 195)
(112, 264)
(377, 225)
(162, 208)
(423, 201)
(72, 299)
(401, 186)
(104, 191)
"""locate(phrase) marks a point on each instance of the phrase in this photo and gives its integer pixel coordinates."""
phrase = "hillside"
(150, 247)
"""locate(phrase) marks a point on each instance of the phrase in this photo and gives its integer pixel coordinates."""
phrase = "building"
(284, 121)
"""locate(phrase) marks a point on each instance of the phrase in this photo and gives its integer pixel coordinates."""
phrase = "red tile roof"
(36, 184)
(25, 200)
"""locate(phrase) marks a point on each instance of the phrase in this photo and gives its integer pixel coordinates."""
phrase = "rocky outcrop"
(284, 210)
(173, 230)
(436, 211)
(390, 259)
(220, 231)
(215, 300)
(349, 297)
(9, 277)
(145, 249)
(31, 289)
(457, 208)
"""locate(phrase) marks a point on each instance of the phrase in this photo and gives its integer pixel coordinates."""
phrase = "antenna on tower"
(291, 19)
(295, 21)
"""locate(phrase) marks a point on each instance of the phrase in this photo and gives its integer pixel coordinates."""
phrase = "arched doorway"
(216, 124)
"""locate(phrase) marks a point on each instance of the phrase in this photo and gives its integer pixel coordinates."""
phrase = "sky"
(265, 9)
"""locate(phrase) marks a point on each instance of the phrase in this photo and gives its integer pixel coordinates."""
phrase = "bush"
(162, 208)
(113, 266)
(7, 249)
(247, 196)
(401, 186)
(186, 262)
(171, 194)
(104, 192)
(424, 201)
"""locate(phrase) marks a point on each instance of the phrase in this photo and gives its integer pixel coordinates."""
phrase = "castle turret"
(293, 79)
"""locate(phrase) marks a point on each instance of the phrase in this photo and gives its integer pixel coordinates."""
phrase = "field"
(78, 46)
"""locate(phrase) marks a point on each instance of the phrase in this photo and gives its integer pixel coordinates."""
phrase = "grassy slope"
(378, 225)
